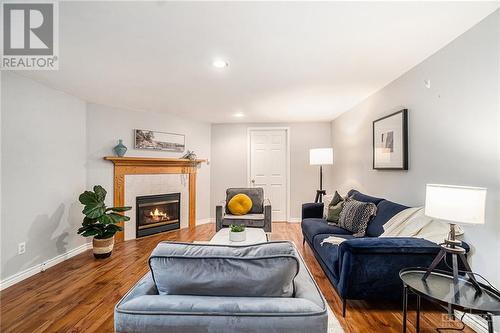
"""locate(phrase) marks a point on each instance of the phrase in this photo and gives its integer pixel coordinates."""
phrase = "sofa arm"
(312, 210)
(391, 245)
(267, 216)
(219, 212)
(369, 267)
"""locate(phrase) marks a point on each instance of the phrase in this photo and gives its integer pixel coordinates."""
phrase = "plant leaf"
(88, 221)
(88, 198)
(100, 193)
(105, 219)
(118, 217)
(119, 209)
(95, 210)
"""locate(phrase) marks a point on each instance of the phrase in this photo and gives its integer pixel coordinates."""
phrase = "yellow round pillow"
(240, 204)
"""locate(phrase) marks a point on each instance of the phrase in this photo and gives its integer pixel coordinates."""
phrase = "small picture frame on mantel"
(390, 142)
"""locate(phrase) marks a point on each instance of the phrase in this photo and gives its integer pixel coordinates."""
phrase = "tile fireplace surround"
(173, 168)
(143, 185)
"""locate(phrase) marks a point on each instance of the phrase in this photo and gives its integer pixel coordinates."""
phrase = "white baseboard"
(474, 322)
(18, 277)
(205, 221)
(295, 219)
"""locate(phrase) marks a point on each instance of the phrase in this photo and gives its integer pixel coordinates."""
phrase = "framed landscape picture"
(146, 139)
(390, 142)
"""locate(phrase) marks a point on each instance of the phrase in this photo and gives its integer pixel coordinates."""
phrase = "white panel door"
(268, 168)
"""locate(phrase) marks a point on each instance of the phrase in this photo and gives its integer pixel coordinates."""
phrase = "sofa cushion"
(385, 211)
(312, 227)
(356, 195)
(255, 193)
(258, 217)
(329, 252)
(355, 216)
(248, 222)
(222, 270)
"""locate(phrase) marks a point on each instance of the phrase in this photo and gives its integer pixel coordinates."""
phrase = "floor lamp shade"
(321, 156)
(455, 204)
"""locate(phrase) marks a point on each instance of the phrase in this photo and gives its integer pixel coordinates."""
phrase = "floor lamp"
(455, 205)
(320, 156)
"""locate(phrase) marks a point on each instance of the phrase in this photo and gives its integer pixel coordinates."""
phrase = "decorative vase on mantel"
(120, 149)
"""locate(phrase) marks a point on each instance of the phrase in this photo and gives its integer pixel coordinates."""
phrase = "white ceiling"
(300, 61)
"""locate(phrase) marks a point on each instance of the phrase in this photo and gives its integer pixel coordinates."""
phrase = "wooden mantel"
(153, 165)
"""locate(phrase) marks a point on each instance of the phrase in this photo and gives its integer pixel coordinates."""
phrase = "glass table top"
(440, 286)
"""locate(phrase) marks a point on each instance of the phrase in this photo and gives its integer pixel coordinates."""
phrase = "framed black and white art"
(154, 140)
(390, 142)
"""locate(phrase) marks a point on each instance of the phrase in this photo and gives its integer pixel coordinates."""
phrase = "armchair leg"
(344, 305)
(303, 240)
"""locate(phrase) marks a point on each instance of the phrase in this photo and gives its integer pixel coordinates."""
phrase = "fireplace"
(157, 213)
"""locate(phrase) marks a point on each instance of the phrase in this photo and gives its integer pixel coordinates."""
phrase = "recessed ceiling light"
(219, 63)
(239, 115)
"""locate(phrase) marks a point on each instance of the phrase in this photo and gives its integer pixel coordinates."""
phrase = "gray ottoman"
(217, 288)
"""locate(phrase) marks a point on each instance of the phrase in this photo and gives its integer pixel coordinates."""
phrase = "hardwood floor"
(79, 294)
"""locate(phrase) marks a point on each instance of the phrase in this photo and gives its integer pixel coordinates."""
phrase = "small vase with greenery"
(237, 233)
(100, 221)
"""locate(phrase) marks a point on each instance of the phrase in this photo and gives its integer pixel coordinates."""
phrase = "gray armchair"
(272, 292)
(258, 217)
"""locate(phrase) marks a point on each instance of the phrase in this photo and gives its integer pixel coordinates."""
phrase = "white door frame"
(287, 130)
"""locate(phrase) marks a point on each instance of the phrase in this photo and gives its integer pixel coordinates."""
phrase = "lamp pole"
(320, 156)
(320, 193)
(321, 177)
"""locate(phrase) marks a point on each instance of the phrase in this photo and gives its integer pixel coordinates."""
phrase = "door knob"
(253, 181)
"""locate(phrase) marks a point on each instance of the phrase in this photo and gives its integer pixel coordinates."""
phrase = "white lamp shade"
(321, 156)
(455, 204)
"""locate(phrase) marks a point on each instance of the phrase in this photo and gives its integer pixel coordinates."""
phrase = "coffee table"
(254, 236)
(439, 288)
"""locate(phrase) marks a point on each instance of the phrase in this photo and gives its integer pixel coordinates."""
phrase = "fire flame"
(158, 214)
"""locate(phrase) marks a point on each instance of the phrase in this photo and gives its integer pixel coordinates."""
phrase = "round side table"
(440, 288)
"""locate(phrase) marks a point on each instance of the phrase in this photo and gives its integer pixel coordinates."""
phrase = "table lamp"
(455, 205)
(320, 156)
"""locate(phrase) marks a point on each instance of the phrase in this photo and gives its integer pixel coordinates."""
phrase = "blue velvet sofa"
(368, 267)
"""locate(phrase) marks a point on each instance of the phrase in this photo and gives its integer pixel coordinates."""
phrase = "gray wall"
(52, 149)
(454, 134)
(105, 125)
(229, 160)
(43, 172)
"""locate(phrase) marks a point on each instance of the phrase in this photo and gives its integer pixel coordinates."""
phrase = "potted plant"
(237, 233)
(100, 221)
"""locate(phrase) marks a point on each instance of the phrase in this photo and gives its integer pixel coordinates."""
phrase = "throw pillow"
(240, 204)
(336, 199)
(259, 270)
(326, 202)
(334, 208)
(355, 216)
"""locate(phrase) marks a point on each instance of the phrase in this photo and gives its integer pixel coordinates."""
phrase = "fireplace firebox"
(157, 213)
